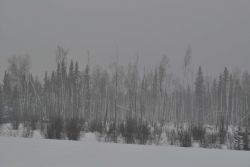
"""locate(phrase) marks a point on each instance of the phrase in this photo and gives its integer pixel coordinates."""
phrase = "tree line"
(125, 101)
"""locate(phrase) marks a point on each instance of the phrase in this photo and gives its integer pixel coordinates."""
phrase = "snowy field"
(21, 152)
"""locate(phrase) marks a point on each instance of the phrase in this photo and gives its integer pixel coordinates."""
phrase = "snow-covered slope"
(20, 152)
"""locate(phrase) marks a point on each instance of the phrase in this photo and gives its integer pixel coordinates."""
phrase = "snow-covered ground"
(23, 152)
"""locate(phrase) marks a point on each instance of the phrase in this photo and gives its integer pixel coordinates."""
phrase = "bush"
(241, 139)
(185, 138)
(111, 133)
(143, 133)
(96, 126)
(198, 133)
(157, 133)
(222, 131)
(245, 141)
(172, 137)
(54, 129)
(210, 140)
(130, 131)
(27, 130)
(33, 123)
(73, 129)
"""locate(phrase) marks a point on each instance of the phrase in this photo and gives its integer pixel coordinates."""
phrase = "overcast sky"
(217, 30)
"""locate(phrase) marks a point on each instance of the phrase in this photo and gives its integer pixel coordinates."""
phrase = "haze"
(217, 30)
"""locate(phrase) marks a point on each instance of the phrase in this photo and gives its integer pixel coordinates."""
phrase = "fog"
(218, 32)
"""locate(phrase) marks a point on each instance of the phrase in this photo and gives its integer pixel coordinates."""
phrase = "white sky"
(217, 30)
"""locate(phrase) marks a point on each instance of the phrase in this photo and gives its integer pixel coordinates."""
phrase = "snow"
(26, 152)
(89, 137)
(37, 134)
(7, 130)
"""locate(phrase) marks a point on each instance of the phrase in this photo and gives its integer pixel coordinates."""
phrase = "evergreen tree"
(199, 97)
(6, 90)
(15, 109)
(230, 100)
(225, 86)
(87, 95)
(1, 104)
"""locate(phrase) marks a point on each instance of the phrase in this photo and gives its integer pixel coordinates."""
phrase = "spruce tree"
(225, 87)
(199, 97)
(87, 94)
(6, 90)
(1, 104)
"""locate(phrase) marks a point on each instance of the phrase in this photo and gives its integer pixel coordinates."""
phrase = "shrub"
(172, 137)
(143, 133)
(210, 140)
(54, 129)
(96, 126)
(111, 133)
(185, 138)
(73, 129)
(157, 133)
(222, 131)
(130, 131)
(198, 133)
(27, 130)
(245, 141)
(241, 139)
